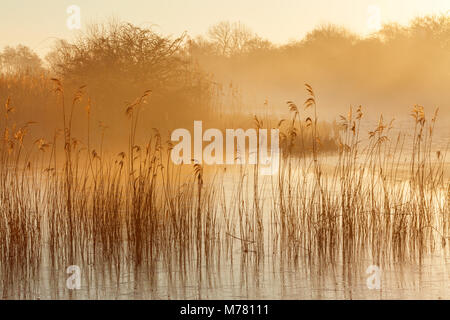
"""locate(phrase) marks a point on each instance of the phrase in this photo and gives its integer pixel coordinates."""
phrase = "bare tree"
(240, 36)
(230, 38)
(220, 35)
(20, 59)
(117, 53)
(118, 61)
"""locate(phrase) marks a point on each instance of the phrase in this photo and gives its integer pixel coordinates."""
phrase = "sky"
(38, 23)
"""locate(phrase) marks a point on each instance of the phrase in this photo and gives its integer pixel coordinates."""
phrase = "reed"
(132, 214)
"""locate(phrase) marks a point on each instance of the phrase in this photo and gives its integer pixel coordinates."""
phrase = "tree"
(220, 35)
(20, 59)
(118, 53)
(329, 35)
(257, 44)
(230, 38)
(117, 62)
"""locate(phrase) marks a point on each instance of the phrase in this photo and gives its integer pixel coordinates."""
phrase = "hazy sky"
(37, 23)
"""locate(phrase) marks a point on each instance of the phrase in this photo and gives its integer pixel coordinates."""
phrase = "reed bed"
(132, 215)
